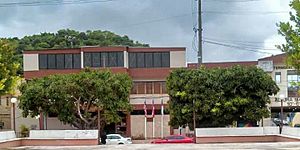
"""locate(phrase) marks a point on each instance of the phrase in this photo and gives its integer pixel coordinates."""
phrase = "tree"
(67, 38)
(75, 98)
(8, 68)
(291, 32)
(220, 96)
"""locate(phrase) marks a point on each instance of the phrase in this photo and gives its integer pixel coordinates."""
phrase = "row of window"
(153, 87)
(149, 60)
(59, 61)
(104, 59)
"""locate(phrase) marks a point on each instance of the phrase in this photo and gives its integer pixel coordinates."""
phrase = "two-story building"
(148, 67)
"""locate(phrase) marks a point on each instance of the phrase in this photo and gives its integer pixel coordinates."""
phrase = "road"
(235, 146)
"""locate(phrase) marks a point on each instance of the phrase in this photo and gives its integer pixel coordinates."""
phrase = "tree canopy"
(8, 67)
(67, 38)
(221, 96)
(291, 32)
(76, 97)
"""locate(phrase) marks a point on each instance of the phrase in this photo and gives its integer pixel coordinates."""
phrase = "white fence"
(245, 131)
(7, 135)
(63, 134)
(290, 131)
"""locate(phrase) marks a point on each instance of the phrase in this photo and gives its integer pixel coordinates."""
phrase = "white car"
(115, 139)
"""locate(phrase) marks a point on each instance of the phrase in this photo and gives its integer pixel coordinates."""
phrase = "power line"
(246, 45)
(53, 2)
(236, 47)
(225, 1)
(245, 12)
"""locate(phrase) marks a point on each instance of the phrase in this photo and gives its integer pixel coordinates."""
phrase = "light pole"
(194, 122)
(13, 101)
(281, 96)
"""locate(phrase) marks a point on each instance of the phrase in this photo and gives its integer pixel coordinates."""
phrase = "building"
(5, 112)
(283, 75)
(148, 67)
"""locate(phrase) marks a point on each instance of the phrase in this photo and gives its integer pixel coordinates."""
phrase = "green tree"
(8, 68)
(76, 97)
(291, 32)
(219, 96)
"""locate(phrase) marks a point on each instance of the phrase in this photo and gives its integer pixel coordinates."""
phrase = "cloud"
(157, 22)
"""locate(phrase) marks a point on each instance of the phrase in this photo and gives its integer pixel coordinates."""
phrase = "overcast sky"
(242, 25)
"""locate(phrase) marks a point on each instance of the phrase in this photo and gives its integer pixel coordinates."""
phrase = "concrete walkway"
(235, 146)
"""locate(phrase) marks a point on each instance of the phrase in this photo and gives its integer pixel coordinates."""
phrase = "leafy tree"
(75, 98)
(67, 38)
(8, 67)
(291, 32)
(220, 96)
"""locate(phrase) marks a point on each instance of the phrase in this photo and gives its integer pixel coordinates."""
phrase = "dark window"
(164, 88)
(134, 89)
(165, 57)
(141, 88)
(120, 60)
(60, 61)
(76, 61)
(132, 60)
(104, 59)
(148, 60)
(96, 60)
(157, 60)
(51, 61)
(43, 61)
(112, 59)
(68, 61)
(87, 59)
(140, 60)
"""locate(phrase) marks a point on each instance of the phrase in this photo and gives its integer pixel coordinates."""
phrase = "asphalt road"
(235, 146)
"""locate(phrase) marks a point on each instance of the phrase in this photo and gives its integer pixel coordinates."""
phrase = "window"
(76, 61)
(149, 60)
(51, 61)
(59, 61)
(87, 59)
(132, 60)
(153, 87)
(165, 59)
(157, 60)
(140, 60)
(113, 137)
(278, 77)
(68, 61)
(104, 59)
(43, 61)
(96, 57)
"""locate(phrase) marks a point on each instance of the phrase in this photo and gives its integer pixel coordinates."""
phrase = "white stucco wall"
(245, 131)
(7, 135)
(177, 59)
(63, 134)
(290, 131)
(31, 62)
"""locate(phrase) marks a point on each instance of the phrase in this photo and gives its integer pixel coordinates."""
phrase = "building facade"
(148, 68)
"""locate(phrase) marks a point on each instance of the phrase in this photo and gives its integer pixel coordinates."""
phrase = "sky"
(233, 30)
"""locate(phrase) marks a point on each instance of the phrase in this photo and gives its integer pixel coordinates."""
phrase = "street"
(235, 146)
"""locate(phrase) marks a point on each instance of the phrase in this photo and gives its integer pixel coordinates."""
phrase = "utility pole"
(199, 33)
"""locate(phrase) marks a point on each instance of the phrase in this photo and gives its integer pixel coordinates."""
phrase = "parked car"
(174, 139)
(115, 139)
(297, 125)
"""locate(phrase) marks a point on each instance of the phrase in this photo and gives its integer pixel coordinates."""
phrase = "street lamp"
(13, 101)
(281, 96)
